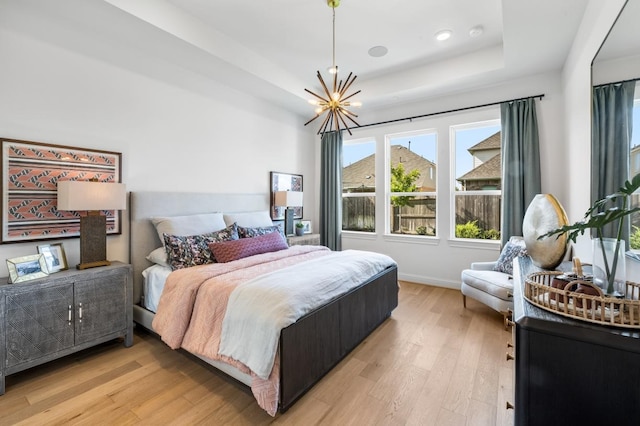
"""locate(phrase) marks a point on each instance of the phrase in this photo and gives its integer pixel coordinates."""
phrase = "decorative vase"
(599, 269)
(299, 231)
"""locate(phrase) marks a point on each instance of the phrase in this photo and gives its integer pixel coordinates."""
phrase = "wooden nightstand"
(304, 240)
(47, 318)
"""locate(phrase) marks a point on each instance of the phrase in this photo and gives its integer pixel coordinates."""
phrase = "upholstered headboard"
(145, 205)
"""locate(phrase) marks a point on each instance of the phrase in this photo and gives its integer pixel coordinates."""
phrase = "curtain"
(331, 190)
(520, 163)
(611, 128)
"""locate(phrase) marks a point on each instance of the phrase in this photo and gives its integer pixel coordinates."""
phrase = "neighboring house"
(634, 161)
(360, 176)
(486, 172)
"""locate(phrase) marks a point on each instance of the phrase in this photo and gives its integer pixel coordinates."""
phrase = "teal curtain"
(611, 128)
(331, 190)
(520, 163)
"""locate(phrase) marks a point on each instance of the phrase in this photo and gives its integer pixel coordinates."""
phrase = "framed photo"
(26, 268)
(284, 182)
(29, 188)
(307, 226)
(54, 257)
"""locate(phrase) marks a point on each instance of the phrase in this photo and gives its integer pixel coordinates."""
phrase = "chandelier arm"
(324, 86)
(348, 83)
(348, 113)
(336, 121)
(341, 116)
(335, 81)
(350, 96)
(324, 123)
(317, 115)
(351, 119)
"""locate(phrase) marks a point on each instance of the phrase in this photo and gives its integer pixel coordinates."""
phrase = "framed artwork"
(307, 226)
(26, 268)
(284, 182)
(30, 175)
(54, 257)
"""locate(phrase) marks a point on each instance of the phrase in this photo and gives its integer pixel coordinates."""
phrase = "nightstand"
(304, 240)
(47, 318)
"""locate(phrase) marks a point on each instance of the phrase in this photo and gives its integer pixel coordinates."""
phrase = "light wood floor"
(432, 363)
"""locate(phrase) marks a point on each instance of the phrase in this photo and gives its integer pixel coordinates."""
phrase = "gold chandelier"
(335, 102)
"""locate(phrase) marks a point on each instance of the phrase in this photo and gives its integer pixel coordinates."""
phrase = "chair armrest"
(483, 266)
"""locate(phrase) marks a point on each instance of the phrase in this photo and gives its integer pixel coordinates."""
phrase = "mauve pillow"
(227, 251)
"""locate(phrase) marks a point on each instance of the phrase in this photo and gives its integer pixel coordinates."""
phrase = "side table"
(304, 240)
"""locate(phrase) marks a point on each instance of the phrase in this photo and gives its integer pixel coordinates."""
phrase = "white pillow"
(249, 219)
(194, 224)
(159, 256)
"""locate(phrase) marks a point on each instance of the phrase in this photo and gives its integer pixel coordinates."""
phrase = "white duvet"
(260, 308)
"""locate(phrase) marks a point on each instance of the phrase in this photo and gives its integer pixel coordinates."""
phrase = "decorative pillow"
(515, 247)
(244, 232)
(249, 219)
(192, 250)
(159, 256)
(228, 251)
(195, 224)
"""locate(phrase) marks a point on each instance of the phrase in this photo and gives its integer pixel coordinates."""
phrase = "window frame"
(374, 194)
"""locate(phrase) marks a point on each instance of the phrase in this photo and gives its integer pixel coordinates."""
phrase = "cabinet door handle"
(509, 356)
(509, 406)
(70, 308)
(80, 312)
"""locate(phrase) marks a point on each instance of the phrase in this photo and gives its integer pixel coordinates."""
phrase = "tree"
(402, 182)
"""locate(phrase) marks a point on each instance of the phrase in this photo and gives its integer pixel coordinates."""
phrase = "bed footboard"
(319, 340)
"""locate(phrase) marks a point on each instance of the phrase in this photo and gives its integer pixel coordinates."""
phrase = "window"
(412, 183)
(477, 180)
(634, 169)
(359, 186)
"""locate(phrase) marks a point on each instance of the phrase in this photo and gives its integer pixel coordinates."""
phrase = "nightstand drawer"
(304, 240)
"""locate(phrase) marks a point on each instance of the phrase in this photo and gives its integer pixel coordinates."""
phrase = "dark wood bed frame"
(314, 344)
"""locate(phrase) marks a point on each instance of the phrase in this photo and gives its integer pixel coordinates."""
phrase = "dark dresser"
(569, 372)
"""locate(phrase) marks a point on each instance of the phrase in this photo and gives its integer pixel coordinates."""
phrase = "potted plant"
(608, 210)
(299, 228)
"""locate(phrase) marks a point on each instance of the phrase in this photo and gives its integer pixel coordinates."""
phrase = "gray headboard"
(147, 204)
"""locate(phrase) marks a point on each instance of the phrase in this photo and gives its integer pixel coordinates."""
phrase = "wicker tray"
(601, 309)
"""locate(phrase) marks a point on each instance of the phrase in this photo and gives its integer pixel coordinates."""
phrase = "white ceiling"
(273, 48)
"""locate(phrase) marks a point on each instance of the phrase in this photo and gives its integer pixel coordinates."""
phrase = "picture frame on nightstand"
(26, 268)
(307, 226)
(54, 256)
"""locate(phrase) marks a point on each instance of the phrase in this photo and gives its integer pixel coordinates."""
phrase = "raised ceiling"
(274, 48)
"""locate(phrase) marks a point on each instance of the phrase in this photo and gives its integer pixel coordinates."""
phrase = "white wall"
(172, 136)
(439, 261)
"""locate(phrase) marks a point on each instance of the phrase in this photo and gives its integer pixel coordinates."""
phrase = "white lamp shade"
(288, 199)
(90, 196)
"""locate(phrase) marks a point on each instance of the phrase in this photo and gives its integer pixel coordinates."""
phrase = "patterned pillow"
(245, 232)
(228, 251)
(515, 247)
(192, 250)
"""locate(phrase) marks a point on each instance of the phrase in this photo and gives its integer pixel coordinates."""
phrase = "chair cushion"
(514, 247)
(494, 283)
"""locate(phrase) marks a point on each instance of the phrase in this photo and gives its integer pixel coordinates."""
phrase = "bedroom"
(64, 84)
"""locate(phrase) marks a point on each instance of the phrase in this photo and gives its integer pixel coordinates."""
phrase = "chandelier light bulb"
(333, 70)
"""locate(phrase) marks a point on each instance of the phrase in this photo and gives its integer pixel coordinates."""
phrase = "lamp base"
(288, 221)
(93, 241)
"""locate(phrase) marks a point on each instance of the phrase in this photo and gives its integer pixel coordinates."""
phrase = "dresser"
(571, 372)
(48, 318)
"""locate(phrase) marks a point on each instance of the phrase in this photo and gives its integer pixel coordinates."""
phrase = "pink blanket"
(195, 323)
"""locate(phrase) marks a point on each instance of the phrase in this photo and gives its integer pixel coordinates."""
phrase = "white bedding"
(258, 309)
(154, 278)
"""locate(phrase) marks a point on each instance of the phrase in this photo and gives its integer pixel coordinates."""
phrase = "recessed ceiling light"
(476, 31)
(378, 51)
(443, 35)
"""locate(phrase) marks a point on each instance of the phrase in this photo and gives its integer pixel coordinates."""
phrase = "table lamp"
(288, 199)
(92, 197)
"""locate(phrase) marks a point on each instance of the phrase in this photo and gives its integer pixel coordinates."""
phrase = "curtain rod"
(618, 82)
(444, 112)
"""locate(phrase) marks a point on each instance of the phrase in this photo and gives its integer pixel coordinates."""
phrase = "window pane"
(413, 163)
(358, 177)
(634, 169)
(413, 215)
(478, 216)
(477, 168)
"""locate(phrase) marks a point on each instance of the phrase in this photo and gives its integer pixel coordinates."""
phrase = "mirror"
(619, 56)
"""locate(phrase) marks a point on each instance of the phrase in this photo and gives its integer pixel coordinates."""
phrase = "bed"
(309, 347)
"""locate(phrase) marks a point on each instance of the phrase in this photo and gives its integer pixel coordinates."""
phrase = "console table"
(47, 318)
(571, 372)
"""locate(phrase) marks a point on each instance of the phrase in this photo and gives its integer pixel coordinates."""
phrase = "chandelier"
(334, 103)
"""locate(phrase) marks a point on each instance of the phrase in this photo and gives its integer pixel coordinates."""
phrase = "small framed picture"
(307, 226)
(26, 268)
(54, 257)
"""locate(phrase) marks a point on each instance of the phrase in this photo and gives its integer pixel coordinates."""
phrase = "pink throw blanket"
(194, 302)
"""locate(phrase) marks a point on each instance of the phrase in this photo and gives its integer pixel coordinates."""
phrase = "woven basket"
(599, 309)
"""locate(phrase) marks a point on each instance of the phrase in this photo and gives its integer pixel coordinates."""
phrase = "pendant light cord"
(334, 37)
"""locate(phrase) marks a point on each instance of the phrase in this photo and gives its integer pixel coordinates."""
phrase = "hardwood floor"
(432, 363)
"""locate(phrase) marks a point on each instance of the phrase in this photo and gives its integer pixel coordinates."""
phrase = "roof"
(490, 169)
(492, 142)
